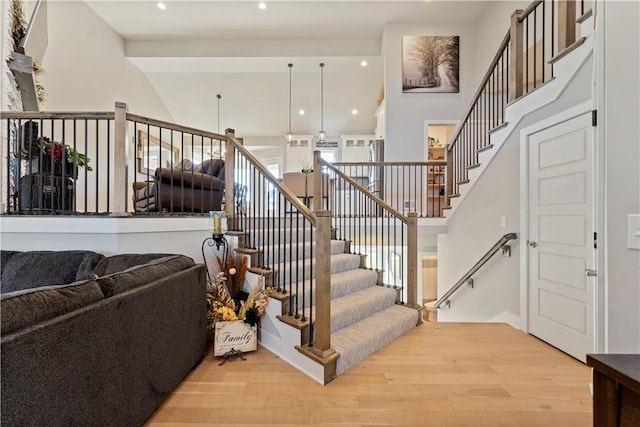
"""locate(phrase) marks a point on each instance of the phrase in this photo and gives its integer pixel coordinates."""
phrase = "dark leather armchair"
(178, 190)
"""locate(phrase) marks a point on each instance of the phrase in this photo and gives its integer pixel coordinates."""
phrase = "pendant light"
(289, 135)
(322, 134)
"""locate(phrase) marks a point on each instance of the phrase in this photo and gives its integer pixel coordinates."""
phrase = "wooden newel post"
(449, 176)
(229, 168)
(317, 181)
(412, 259)
(120, 187)
(412, 264)
(566, 23)
(322, 342)
(516, 57)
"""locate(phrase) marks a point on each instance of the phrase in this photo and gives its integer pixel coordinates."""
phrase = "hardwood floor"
(439, 374)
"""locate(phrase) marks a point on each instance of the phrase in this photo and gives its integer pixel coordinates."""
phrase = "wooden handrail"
(173, 126)
(527, 10)
(485, 80)
(364, 191)
(288, 194)
(428, 163)
(64, 115)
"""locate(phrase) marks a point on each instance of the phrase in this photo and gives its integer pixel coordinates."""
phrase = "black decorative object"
(218, 240)
(45, 193)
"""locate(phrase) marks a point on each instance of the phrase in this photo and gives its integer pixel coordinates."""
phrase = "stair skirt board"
(357, 341)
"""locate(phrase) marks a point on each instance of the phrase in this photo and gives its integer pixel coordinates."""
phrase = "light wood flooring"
(438, 374)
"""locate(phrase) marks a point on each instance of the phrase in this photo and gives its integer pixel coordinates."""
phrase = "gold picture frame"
(152, 153)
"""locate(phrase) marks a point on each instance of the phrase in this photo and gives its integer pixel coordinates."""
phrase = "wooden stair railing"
(538, 36)
(367, 222)
(267, 210)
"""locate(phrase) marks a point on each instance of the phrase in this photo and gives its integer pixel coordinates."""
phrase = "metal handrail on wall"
(444, 299)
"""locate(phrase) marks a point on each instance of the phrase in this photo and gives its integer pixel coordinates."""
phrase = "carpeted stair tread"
(293, 272)
(356, 306)
(297, 251)
(343, 283)
(357, 341)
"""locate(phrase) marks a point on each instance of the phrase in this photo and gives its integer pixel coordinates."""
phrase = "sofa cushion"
(28, 307)
(142, 274)
(33, 269)
(115, 263)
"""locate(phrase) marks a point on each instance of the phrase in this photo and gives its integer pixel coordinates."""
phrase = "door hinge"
(594, 118)
(595, 240)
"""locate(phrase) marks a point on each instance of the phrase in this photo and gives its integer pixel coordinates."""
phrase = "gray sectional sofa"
(89, 340)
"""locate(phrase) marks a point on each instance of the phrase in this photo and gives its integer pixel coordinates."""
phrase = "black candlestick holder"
(219, 240)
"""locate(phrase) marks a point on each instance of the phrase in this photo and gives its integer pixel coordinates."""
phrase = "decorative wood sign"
(234, 336)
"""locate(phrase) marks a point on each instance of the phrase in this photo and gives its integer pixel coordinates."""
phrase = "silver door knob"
(532, 243)
(590, 273)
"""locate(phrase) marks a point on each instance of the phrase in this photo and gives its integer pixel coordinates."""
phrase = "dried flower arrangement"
(17, 24)
(226, 299)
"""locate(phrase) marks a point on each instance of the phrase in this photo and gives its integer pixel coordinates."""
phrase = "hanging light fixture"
(322, 134)
(289, 135)
(218, 96)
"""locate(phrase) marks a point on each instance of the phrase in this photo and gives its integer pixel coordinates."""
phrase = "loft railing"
(176, 169)
(539, 35)
(501, 244)
(384, 238)
(58, 163)
(405, 186)
(73, 163)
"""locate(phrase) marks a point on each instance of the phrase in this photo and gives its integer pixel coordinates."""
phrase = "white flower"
(232, 271)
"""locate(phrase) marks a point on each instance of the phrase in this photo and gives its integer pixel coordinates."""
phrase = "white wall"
(620, 108)
(86, 69)
(405, 113)
(490, 30)
(476, 224)
(108, 236)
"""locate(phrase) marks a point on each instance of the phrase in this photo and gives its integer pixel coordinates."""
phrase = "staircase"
(364, 316)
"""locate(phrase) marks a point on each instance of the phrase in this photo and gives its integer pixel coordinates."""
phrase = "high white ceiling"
(207, 47)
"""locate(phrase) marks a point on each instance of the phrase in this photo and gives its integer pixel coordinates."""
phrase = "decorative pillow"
(143, 274)
(29, 307)
(116, 263)
(33, 269)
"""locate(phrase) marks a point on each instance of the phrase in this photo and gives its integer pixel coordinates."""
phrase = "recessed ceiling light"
(354, 111)
(301, 112)
(161, 6)
(262, 5)
(364, 63)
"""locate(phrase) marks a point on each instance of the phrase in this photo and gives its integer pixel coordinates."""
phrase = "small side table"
(217, 240)
(616, 389)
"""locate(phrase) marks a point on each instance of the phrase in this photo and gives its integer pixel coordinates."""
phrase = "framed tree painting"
(430, 64)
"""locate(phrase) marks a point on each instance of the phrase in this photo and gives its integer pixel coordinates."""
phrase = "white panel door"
(561, 240)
